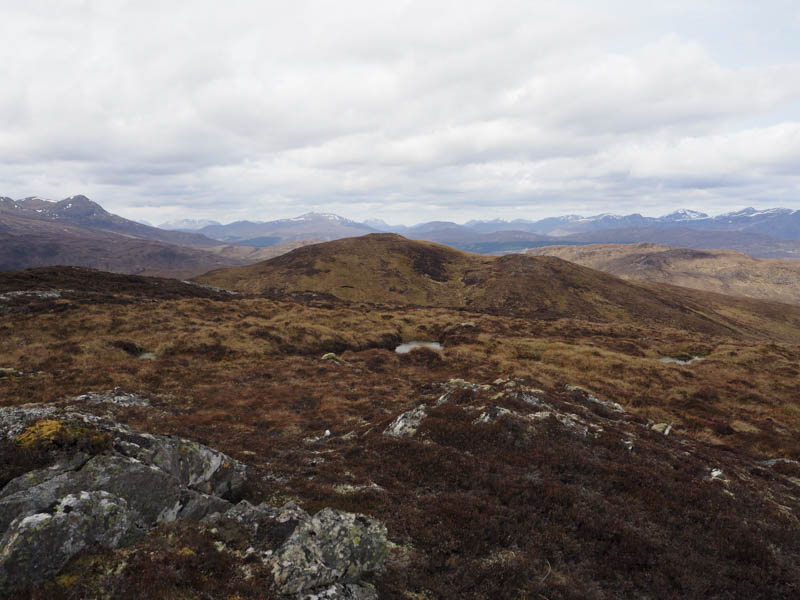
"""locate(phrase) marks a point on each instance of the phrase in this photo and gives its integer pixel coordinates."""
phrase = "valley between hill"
(721, 271)
(546, 451)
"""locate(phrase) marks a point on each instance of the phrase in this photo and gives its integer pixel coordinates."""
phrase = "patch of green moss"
(52, 433)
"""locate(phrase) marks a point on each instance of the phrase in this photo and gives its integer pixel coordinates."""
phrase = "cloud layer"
(407, 110)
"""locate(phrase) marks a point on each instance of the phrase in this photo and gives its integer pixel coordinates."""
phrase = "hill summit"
(390, 269)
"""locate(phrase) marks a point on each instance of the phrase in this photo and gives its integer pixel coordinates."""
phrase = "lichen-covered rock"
(265, 526)
(14, 420)
(580, 393)
(466, 385)
(195, 465)
(115, 396)
(37, 545)
(195, 506)
(492, 414)
(349, 591)
(407, 423)
(663, 428)
(158, 478)
(107, 495)
(333, 547)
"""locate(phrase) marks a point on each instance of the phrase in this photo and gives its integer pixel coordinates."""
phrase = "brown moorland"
(389, 269)
(516, 486)
(721, 271)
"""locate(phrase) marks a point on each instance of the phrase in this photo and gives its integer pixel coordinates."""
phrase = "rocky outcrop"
(407, 423)
(322, 556)
(122, 482)
(114, 489)
(333, 547)
(36, 546)
(115, 396)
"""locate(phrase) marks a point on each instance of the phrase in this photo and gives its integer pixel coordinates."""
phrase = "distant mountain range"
(82, 212)
(320, 226)
(765, 233)
(187, 224)
(780, 222)
(79, 232)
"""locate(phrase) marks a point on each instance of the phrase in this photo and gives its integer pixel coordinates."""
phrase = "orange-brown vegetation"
(520, 507)
(721, 271)
(389, 269)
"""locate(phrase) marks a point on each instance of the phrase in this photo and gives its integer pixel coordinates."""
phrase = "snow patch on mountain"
(684, 214)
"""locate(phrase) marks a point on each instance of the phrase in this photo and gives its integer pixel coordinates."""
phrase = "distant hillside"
(310, 225)
(82, 212)
(78, 232)
(753, 244)
(250, 254)
(767, 234)
(389, 269)
(81, 281)
(468, 240)
(722, 271)
(28, 243)
(187, 224)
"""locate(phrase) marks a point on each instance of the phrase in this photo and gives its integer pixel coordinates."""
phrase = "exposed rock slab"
(135, 480)
(36, 546)
(331, 547)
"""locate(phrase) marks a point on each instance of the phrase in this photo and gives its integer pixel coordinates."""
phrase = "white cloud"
(407, 110)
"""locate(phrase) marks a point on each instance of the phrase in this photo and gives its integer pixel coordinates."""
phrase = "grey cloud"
(408, 110)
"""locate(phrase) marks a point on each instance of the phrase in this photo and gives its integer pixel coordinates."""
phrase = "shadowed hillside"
(26, 243)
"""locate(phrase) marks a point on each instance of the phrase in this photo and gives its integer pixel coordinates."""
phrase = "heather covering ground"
(514, 485)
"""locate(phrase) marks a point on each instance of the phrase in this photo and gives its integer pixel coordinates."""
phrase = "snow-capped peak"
(314, 215)
(752, 212)
(685, 214)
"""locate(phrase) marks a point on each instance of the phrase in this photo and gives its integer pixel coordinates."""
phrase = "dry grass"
(721, 271)
(504, 510)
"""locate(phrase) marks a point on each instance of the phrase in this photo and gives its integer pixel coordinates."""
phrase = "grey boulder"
(333, 547)
(35, 547)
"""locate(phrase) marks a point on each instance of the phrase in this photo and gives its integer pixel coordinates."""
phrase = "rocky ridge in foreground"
(108, 485)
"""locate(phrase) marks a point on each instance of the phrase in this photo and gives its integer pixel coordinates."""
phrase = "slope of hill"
(79, 211)
(246, 255)
(28, 243)
(753, 244)
(468, 240)
(387, 268)
(310, 225)
(557, 459)
(85, 283)
(721, 271)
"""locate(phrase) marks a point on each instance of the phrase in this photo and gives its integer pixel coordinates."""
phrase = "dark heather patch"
(280, 532)
(130, 347)
(430, 262)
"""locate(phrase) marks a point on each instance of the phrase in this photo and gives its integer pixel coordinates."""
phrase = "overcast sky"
(406, 111)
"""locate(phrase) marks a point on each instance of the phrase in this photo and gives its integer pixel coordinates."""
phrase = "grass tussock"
(517, 507)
